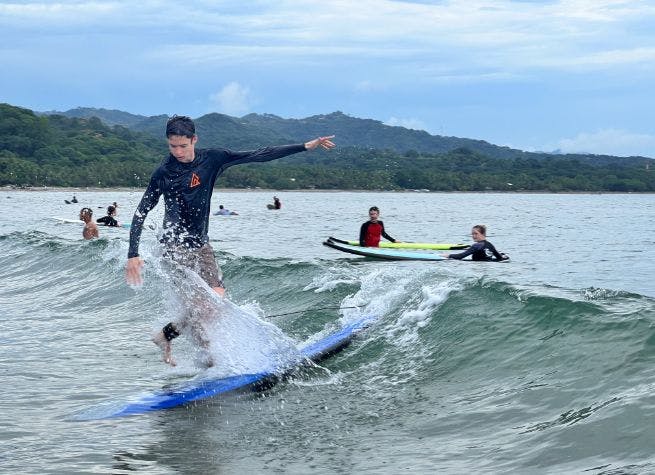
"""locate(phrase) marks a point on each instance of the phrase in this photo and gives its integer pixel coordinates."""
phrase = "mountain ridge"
(55, 150)
(258, 130)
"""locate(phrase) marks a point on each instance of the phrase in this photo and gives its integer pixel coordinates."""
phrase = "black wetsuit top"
(107, 221)
(187, 190)
(480, 251)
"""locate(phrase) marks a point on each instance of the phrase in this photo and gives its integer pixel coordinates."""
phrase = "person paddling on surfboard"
(223, 211)
(482, 250)
(277, 204)
(186, 180)
(90, 230)
(110, 218)
(371, 231)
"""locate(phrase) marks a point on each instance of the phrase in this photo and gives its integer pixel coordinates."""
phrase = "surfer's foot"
(160, 340)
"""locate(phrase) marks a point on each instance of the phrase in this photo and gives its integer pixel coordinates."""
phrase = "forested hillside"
(55, 150)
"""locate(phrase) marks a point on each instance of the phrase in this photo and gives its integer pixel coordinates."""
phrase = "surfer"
(110, 219)
(90, 230)
(277, 204)
(372, 230)
(482, 250)
(186, 180)
(222, 211)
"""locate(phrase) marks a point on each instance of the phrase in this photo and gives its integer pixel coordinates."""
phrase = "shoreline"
(70, 189)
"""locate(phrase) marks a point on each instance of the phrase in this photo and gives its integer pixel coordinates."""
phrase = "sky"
(537, 75)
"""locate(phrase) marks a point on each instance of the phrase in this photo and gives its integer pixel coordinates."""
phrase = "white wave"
(232, 339)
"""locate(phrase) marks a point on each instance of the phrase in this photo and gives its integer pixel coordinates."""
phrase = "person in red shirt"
(373, 229)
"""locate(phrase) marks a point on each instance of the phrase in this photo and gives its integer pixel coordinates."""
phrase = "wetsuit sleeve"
(148, 201)
(497, 255)
(466, 252)
(362, 233)
(261, 155)
(384, 233)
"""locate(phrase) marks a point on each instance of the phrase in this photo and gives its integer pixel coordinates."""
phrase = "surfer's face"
(477, 235)
(374, 215)
(182, 148)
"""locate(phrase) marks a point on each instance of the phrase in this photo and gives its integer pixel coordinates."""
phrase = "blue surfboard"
(380, 253)
(203, 388)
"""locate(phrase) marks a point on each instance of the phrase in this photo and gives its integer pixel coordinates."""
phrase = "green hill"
(57, 150)
(60, 151)
(256, 130)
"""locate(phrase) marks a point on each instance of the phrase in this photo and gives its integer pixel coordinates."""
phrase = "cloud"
(368, 86)
(233, 99)
(610, 142)
(484, 39)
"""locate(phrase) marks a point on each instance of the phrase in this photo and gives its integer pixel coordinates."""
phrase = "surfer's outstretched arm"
(133, 271)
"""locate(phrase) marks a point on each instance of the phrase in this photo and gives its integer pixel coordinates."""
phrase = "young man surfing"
(186, 181)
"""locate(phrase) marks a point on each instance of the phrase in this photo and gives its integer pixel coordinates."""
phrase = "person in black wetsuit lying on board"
(110, 218)
(372, 230)
(482, 250)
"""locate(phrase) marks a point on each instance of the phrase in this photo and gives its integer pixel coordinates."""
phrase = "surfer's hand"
(325, 142)
(133, 271)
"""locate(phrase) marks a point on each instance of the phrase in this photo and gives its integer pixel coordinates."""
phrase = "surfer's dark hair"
(481, 228)
(374, 208)
(180, 125)
(88, 211)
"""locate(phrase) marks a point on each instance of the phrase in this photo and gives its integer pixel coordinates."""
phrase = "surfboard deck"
(388, 254)
(435, 246)
(200, 388)
(67, 221)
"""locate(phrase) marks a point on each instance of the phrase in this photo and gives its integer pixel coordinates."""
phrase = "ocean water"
(545, 364)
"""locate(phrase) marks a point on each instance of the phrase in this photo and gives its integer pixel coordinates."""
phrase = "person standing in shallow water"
(90, 230)
(186, 181)
(372, 230)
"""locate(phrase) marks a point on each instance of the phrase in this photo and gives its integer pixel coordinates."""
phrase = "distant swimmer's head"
(181, 136)
(86, 214)
(111, 210)
(479, 232)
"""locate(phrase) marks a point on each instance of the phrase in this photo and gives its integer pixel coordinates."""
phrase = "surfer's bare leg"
(163, 340)
(219, 290)
(201, 329)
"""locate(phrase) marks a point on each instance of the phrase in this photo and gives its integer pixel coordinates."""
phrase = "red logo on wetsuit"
(195, 180)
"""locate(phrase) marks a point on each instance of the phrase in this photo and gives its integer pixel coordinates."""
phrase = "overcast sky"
(573, 75)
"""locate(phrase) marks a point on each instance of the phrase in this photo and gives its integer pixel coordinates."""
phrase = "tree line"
(81, 152)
